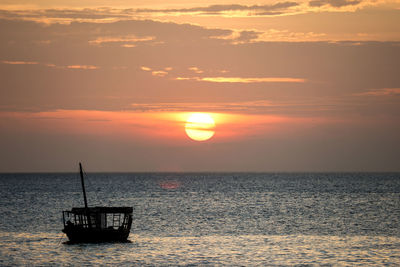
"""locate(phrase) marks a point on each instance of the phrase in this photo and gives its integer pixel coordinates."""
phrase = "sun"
(200, 126)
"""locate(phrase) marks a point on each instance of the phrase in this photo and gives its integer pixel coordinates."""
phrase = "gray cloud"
(106, 14)
(334, 3)
(247, 107)
(246, 36)
(87, 13)
(217, 9)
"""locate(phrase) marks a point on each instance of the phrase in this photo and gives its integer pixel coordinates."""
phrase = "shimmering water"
(208, 218)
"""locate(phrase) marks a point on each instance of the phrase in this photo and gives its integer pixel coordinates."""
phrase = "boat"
(97, 224)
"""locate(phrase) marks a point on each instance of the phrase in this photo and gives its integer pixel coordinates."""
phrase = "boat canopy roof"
(102, 210)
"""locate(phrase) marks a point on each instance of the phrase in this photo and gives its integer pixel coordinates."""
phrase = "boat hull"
(85, 235)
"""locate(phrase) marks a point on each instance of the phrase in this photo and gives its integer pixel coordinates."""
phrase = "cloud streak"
(250, 10)
(196, 70)
(125, 41)
(83, 67)
(381, 92)
(244, 80)
(159, 73)
(19, 62)
(50, 65)
(198, 106)
(285, 108)
(334, 3)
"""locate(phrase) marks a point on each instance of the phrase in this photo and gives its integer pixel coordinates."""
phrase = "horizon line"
(179, 172)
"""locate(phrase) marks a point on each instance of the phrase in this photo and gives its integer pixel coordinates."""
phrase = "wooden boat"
(97, 224)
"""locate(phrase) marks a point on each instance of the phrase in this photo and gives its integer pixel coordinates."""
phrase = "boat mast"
(83, 185)
(84, 197)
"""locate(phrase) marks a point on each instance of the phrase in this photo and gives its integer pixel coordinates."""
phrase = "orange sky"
(292, 85)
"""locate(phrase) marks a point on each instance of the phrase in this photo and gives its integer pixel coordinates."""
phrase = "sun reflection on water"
(47, 249)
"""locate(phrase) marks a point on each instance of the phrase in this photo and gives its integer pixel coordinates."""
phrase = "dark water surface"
(208, 218)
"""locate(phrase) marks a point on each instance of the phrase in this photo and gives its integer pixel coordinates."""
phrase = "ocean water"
(235, 219)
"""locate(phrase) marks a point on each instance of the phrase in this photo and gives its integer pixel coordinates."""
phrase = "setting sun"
(200, 126)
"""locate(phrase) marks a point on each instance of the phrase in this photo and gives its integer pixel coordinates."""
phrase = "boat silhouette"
(97, 224)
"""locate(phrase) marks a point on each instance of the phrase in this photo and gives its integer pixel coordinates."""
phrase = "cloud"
(244, 80)
(300, 107)
(62, 15)
(246, 36)
(124, 41)
(274, 35)
(381, 92)
(66, 16)
(334, 3)
(145, 68)
(198, 106)
(84, 67)
(241, 37)
(271, 35)
(266, 70)
(108, 15)
(49, 65)
(246, 10)
(19, 62)
(128, 28)
(159, 73)
(196, 70)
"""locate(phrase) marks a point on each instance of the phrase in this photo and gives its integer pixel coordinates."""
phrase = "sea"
(208, 219)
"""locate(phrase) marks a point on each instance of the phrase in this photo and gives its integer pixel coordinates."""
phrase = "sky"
(292, 86)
